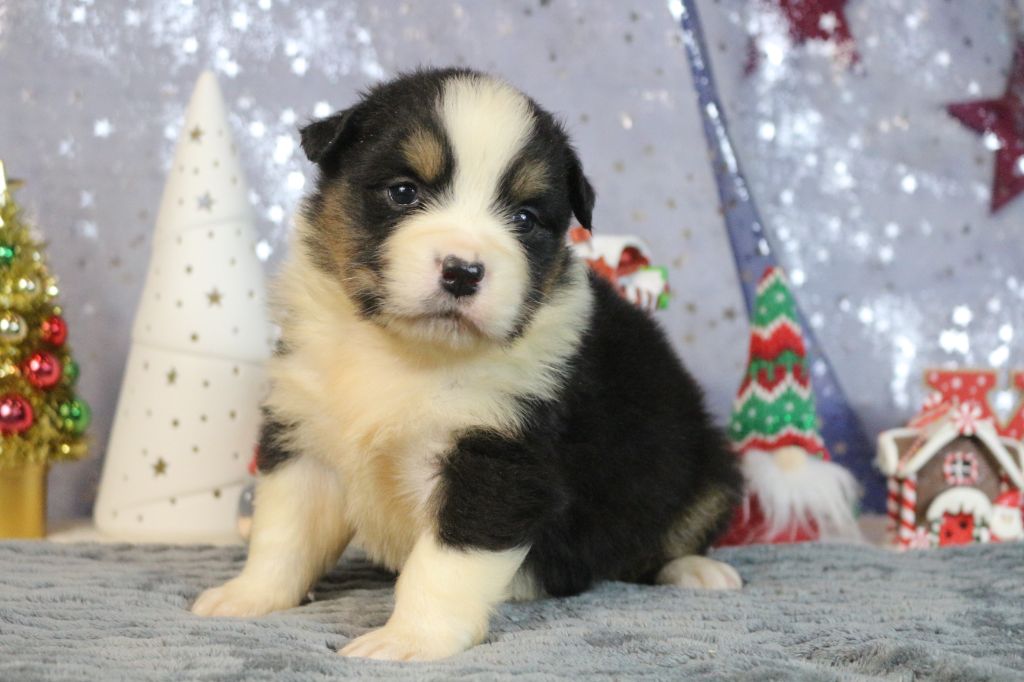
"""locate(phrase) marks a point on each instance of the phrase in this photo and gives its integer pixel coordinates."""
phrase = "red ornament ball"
(55, 330)
(15, 414)
(42, 369)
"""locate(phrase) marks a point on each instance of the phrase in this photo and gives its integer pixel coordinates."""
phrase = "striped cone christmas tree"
(795, 493)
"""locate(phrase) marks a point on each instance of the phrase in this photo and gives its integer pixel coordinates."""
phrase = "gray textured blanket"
(108, 612)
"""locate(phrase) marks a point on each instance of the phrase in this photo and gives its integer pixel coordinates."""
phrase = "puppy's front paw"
(700, 572)
(397, 643)
(241, 598)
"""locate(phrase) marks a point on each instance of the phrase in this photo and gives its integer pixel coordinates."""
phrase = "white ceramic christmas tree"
(188, 414)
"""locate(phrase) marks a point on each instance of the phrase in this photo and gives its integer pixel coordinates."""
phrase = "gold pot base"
(23, 501)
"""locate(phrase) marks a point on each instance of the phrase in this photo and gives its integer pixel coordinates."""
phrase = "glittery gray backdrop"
(877, 198)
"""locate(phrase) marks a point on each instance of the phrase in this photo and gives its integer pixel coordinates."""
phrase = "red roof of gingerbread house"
(932, 435)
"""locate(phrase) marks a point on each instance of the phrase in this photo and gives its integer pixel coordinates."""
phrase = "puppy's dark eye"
(524, 220)
(403, 193)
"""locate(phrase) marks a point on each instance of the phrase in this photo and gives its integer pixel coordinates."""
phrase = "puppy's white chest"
(385, 425)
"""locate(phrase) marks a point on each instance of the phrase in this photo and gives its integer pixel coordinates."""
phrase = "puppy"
(455, 394)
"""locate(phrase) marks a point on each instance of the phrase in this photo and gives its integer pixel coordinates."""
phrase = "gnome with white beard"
(794, 492)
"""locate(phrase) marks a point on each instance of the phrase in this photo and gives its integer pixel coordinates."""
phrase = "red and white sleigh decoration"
(955, 473)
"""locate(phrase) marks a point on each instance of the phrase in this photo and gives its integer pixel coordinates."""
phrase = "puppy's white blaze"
(443, 599)
(487, 123)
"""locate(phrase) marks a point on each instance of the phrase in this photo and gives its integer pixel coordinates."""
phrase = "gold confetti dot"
(216, 492)
(172, 376)
(160, 467)
(194, 337)
(196, 134)
(175, 423)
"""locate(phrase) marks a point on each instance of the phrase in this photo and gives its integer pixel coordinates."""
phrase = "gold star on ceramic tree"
(196, 134)
(172, 376)
(205, 202)
(214, 297)
(160, 467)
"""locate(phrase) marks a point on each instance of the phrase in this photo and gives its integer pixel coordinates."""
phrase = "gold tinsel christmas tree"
(41, 419)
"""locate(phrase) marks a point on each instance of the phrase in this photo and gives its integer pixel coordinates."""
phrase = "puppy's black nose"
(460, 278)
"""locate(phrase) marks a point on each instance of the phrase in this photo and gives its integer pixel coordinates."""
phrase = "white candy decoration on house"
(188, 415)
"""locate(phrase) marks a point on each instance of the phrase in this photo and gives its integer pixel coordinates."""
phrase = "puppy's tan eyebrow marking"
(529, 178)
(424, 153)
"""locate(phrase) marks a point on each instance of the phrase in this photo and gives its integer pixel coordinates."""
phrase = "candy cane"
(908, 512)
(892, 506)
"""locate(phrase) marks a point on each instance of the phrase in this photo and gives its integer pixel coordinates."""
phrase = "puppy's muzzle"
(461, 278)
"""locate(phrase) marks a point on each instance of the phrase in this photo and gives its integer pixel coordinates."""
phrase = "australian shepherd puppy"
(455, 394)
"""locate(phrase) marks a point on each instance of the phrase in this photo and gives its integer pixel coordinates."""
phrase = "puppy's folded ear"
(323, 139)
(581, 192)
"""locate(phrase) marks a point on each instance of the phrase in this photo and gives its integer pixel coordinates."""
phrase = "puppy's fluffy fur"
(508, 428)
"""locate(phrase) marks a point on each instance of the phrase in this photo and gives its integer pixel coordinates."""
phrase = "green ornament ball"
(75, 416)
(70, 370)
(6, 254)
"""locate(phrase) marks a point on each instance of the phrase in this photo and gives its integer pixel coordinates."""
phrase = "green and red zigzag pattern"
(775, 404)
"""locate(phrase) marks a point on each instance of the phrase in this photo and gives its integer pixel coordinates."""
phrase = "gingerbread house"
(952, 478)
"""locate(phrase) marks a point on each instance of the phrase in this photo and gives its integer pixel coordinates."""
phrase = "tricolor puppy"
(455, 394)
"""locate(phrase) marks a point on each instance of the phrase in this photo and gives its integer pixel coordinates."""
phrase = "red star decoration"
(813, 20)
(1004, 118)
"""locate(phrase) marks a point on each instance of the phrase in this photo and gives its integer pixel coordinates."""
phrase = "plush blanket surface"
(814, 612)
